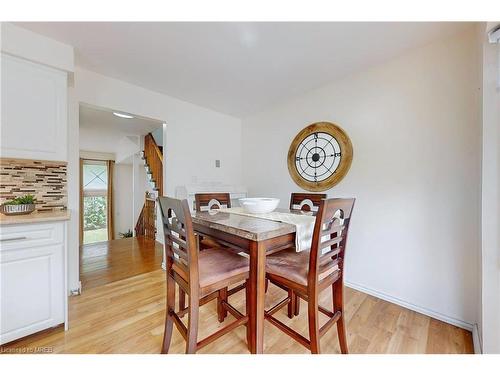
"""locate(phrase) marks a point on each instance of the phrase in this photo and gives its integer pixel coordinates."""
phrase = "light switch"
(217, 163)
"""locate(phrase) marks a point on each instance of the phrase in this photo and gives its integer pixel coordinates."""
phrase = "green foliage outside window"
(94, 216)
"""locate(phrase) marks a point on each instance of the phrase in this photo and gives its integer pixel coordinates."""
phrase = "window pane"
(95, 176)
(94, 219)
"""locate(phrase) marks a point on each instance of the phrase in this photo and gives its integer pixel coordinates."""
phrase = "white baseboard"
(476, 339)
(433, 314)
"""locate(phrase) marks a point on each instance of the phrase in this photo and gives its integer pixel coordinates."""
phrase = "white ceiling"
(101, 131)
(237, 68)
(103, 119)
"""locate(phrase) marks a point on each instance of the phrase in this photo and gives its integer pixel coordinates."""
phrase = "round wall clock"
(319, 156)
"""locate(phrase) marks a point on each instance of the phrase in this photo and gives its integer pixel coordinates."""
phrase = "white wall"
(490, 286)
(123, 202)
(415, 173)
(73, 192)
(97, 155)
(97, 140)
(141, 186)
(106, 139)
(189, 127)
(194, 138)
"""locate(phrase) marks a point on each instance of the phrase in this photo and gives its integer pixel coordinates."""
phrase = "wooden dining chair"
(211, 201)
(303, 202)
(307, 273)
(201, 275)
(206, 202)
(306, 201)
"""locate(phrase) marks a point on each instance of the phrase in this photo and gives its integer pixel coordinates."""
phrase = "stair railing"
(146, 223)
(154, 160)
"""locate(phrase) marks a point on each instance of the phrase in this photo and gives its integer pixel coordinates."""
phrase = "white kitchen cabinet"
(34, 110)
(32, 278)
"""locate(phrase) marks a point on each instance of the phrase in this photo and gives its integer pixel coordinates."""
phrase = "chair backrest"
(329, 237)
(210, 201)
(306, 201)
(181, 247)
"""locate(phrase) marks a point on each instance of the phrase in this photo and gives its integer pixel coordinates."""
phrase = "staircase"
(146, 223)
(153, 163)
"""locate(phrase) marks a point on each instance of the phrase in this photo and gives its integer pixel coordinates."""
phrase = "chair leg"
(313, 316)
(170, 306)
(291, 304)
(338, 305)
(221, 311)
(192, 326)
(247, 312)
(267, 285)
(182, 300)
(297, 305)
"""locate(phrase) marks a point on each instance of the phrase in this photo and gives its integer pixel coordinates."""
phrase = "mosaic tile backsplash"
(46, 180)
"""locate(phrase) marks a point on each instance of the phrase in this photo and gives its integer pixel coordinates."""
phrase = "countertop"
(34, 217)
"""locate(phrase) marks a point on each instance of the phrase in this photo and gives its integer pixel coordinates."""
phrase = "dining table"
(257, 237)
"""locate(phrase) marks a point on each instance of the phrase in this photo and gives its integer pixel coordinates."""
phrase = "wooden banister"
(154, 159)
(146, 223)
(139, 226)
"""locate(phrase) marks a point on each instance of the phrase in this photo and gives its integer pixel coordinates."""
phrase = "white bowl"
(259, 205)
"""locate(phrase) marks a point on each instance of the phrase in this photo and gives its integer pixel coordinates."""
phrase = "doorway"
(121, 175)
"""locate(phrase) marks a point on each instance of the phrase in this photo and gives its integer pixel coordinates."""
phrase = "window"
(95, 190)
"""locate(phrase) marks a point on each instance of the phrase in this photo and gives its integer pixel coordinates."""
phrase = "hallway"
(105, 262)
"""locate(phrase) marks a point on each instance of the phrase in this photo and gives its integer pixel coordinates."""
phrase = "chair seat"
(217, 265)
(294, 266)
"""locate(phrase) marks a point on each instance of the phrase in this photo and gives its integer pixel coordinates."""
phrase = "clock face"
(319, 156)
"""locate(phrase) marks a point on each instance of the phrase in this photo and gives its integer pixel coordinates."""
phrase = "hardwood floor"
(127, 316)
(105, 262)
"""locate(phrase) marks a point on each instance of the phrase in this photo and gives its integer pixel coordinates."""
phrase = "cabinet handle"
(13, 239)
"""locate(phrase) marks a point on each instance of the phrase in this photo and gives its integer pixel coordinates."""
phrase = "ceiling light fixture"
(122, 115)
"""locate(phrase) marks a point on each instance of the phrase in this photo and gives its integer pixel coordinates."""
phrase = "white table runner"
(303, 223)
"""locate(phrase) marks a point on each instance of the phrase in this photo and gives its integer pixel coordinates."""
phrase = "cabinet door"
(31, 289)
(34, 110)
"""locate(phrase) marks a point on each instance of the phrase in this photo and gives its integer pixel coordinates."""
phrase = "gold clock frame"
(345, 163)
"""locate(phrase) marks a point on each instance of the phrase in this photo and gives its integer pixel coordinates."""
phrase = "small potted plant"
(19, 206)
(127, 234)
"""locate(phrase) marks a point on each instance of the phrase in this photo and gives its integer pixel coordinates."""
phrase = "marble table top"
(252, 228)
